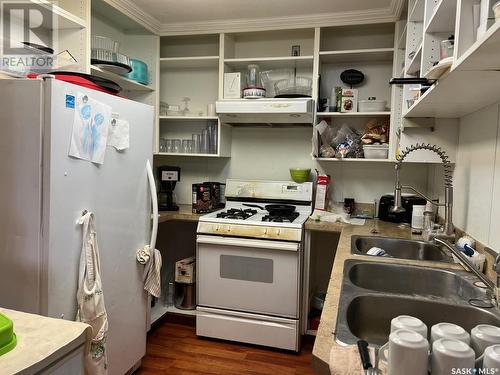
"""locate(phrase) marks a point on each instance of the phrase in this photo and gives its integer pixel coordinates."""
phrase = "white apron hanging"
(90, 298)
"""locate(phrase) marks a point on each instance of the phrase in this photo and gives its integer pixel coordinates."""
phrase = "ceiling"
(200, 11)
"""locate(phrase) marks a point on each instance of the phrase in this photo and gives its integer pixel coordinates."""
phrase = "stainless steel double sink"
(374, 292)
(400, 248)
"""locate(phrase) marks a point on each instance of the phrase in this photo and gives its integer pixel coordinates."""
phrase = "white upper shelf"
(484, 54)
(472, 84)
(354, 114)
(189, 62)
(62, 18)
(443, 18)
(271, 62)
(125, 83)
(373, 54)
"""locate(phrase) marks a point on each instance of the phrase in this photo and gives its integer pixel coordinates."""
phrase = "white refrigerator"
(43, 192)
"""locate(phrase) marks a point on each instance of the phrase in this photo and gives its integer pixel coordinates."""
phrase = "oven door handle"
(256, 244)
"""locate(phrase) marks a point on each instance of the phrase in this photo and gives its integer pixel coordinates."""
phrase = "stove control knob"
(278, 232)
(228, 229)
(216, 228)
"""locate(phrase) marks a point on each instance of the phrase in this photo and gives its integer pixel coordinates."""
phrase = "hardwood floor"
(175, 349)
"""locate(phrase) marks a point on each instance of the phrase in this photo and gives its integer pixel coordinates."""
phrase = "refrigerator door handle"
(154, 201)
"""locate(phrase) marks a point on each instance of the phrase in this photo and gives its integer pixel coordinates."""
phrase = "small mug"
(491, 358)
(482, 336)
(449, 331)
(408, 353)
(409, 322)
(448, 354)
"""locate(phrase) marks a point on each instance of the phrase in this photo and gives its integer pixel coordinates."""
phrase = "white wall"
(267, 153)
(476, 177)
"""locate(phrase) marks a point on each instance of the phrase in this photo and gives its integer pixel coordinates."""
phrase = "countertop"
(185, 213)
(40, 341)
(325, 338)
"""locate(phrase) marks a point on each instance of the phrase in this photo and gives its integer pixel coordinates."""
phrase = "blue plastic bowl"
(139, 71)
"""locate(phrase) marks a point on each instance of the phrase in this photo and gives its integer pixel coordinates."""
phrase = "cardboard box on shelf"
(349, 100)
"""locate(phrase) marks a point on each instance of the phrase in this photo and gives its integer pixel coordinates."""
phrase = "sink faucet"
(490, 285)
(448, 230)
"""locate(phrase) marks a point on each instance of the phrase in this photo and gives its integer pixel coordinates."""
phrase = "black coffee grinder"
(168, 177)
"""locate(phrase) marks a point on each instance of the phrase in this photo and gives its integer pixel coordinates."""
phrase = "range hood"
(266, 111)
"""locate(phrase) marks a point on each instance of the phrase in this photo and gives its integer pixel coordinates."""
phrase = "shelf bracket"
(424, 122)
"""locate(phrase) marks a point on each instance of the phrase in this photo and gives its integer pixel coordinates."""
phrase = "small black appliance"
(408, 201)
(168, 177)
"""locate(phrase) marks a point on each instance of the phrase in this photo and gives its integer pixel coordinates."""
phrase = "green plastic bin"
(8, 338)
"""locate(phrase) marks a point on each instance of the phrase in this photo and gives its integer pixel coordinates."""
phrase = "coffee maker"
(168, 177)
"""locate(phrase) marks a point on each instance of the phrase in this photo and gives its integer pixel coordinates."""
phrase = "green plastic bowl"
(300, 175)
(8, 338)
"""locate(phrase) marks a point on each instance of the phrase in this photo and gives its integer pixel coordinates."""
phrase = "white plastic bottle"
(417, 218)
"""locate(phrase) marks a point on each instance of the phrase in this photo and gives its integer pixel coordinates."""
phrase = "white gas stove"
(261, 209)
(249, 264)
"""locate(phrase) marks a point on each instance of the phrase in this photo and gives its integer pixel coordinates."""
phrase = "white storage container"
(376, 151)
(372, 105)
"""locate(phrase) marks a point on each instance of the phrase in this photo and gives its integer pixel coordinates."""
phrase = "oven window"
(246, 268)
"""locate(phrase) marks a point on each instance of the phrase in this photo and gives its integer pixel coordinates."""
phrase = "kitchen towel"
(152, 269)
(90, 298)
(118, 136)
(345, 360)
(143, 255)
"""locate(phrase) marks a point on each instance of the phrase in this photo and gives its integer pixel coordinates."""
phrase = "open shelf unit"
(63, 18)
(354, 114)
(189, 68)
(473, 81)
(67, 29)
(124, 82)
(367, 48)
(443, 17)
(135, 41)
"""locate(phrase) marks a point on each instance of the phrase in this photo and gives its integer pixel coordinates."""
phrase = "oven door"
(258, 276)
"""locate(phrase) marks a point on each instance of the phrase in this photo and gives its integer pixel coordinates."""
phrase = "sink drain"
(482, 303)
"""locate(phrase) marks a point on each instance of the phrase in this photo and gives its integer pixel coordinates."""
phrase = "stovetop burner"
(238, 214)
(281, 218)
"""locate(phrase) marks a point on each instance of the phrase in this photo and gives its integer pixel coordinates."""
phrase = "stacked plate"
(105, 55)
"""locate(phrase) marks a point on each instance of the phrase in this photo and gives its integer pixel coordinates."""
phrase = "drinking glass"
(186, 149)
(176, 145)
(196, 143)
(169, 145)
(163, 145)
(205, 143)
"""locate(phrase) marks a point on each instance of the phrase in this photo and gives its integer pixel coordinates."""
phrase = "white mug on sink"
(449, 331)
(409, 322)
(408, 353)
(449, 354)
(482, 336)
